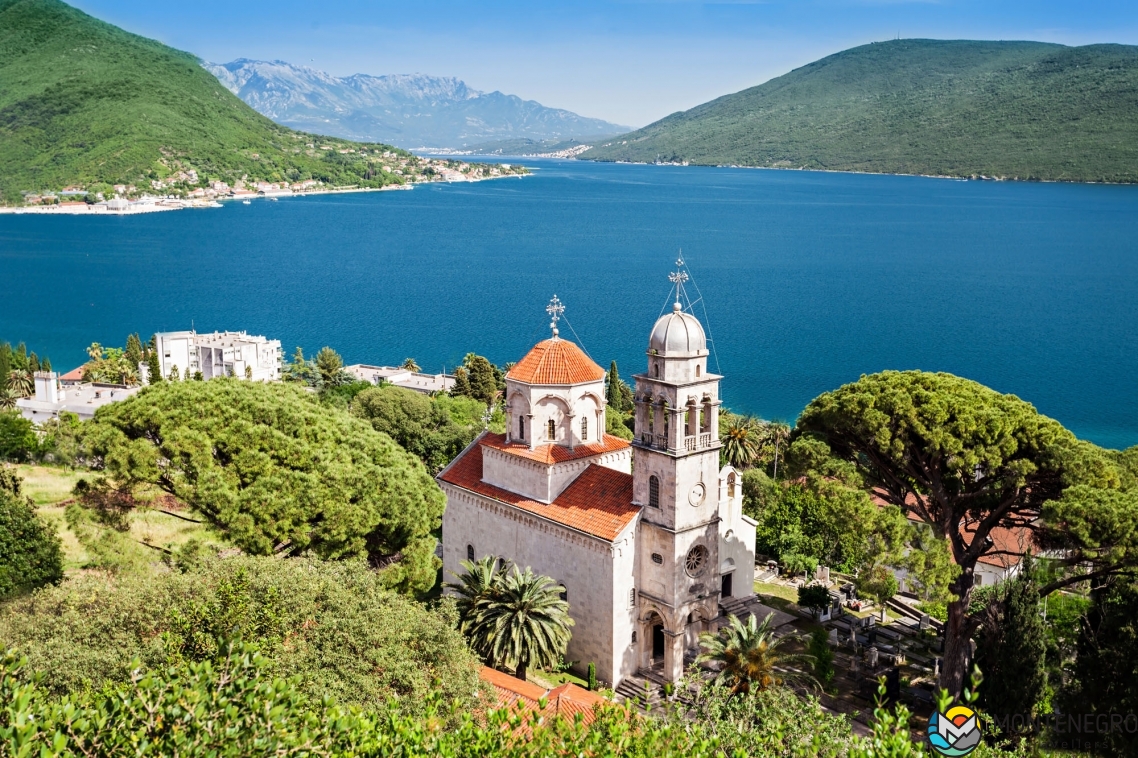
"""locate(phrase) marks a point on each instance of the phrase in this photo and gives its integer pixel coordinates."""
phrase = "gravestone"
(822, 574)
(924, 623)
(871, 657)
(834, 637)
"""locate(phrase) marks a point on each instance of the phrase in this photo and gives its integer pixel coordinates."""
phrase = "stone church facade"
(646, 537)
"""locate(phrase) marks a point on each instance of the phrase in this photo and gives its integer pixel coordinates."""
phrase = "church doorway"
(726, 589)
(657, 642)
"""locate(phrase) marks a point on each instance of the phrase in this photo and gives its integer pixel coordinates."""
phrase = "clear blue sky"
(630, 62)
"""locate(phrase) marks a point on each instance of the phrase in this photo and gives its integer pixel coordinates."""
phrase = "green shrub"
(592, 676)
(333, 624)
(17, 439)
(823, 656)
(30, 551)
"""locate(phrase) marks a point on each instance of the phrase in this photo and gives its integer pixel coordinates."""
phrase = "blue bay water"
(809, 279)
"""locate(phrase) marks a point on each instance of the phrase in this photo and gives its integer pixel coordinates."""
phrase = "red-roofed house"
(568, 700)
(645, 547)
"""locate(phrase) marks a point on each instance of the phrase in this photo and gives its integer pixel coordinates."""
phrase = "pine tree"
(1105, 673)
(1011, 648)
(45, 364)
(20, 357)
(612, 389)
(461, 386)
(33, 363)
(483, 378)
(153, 367)
(133, 351)
(5, 365)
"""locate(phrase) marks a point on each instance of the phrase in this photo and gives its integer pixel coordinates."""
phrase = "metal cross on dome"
(679, 277)
(554, 309)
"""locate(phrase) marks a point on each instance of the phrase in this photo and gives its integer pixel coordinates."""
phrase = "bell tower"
(676, 483)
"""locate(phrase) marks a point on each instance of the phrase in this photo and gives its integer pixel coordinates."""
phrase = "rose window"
(696, 561)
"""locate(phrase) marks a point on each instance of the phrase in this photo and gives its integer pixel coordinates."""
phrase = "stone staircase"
(644, 690)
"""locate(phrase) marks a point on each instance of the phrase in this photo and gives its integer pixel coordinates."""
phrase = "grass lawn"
(50, 488)
(551, 680)
(777, 592)
(47, 485)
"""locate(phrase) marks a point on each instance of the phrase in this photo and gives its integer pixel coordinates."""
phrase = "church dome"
(556, 361)
(678, 333)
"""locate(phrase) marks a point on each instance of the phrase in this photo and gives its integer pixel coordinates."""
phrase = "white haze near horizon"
(627, 62)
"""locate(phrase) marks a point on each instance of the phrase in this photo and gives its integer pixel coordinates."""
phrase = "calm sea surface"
(809, 279)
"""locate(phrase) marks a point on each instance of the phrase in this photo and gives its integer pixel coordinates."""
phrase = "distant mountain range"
(1015, 110)
(408, 110)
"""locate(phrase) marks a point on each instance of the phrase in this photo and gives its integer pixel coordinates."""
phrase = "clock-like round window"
(697, 494)
(696, 562)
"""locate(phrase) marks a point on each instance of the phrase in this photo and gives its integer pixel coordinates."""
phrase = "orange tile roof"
(555, 453)
(567, 700)
(598, 502)
(1007, 540)
(74, 375)
(555, 361)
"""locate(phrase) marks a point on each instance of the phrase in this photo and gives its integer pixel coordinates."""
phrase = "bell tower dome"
(675, 477)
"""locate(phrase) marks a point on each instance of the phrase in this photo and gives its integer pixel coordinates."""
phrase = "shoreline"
(971, 178)
(159, 205)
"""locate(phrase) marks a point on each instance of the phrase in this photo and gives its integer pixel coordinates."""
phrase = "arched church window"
(634, 637)
(551, 429)
(521, 427)
(730, 485)
(656, 370)
(653, 491)
(470, 552)
(697, 370)
(584, 428)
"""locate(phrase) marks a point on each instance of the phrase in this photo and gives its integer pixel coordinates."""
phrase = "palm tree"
(8, 399)
(776, 433)
(21, 382)
(750, 656)
(512, 617)
(95, 351)
(410, 365)
(474, 587)
(740, 442)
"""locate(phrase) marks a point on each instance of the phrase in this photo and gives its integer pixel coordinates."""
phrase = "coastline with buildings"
(186, 190)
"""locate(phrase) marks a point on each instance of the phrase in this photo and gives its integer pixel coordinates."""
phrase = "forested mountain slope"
(83, 101)
(1026, 110)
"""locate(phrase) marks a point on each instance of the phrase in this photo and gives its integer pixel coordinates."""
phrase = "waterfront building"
(648, 538)
(217, 354)
(53, 397)
(401, 377)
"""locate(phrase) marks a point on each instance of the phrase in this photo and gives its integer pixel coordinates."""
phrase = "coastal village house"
(647, 538)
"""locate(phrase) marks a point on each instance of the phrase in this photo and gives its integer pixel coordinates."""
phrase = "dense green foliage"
(1011, 649)
(434, 428)
(84, 102)
(30, 552)
(17, 438)
(274, 470)
(965, 460)
(1105, 675)
(333, 624)
(512, 617)
(1027, 110)
(480, 379)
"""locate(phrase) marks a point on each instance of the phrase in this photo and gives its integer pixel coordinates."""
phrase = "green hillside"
(84, 102)
(1026, 110)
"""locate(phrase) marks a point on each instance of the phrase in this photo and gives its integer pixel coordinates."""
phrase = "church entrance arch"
(657, 643)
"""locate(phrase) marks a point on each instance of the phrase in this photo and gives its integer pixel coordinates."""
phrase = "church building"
(646, 537)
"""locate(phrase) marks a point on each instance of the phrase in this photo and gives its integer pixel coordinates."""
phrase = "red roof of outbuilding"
(598, 502)
(554, 453)
(74, 375)
(567, 700)
(556, 361)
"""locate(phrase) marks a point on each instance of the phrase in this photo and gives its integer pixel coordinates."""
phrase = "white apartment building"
(217, 354)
